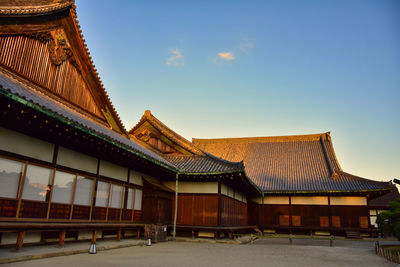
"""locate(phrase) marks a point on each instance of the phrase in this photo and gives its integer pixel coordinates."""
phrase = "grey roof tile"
(290, 163)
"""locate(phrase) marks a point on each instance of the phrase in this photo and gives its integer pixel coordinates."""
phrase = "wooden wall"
(313, 216)
(30, 57)
(157, 205)
(197, 209)
(233, 212)
(254, 213)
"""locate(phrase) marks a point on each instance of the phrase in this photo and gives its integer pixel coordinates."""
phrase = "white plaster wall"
(272, 200)
(224, 189)
(349, 201)
(21, 144)
(73, 159)
(112, 170)
(303, 200)
(136, 177)
(194, 187)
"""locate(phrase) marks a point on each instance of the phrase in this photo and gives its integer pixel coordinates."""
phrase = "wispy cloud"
(246, 46)
(175, 58)
(228, 56)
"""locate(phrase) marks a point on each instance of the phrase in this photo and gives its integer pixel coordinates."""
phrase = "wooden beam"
(219, 203)
(119, 234)
(61, 238)
(21, 190)
(138, 233)
(20, 240)
(94, 236)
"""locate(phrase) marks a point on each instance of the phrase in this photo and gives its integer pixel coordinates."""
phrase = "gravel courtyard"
(263, 252)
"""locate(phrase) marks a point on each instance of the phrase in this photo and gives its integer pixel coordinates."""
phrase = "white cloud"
(175, 58)
(228, 56)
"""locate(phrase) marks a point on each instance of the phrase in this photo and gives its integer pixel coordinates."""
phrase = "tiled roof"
(305, 163)
(33, 7)
(384, 201)
(206, 164)
(21, 88)
(166, 131)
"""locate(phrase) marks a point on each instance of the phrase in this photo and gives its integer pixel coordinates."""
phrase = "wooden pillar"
(230, 235)
(329, 215)
(61, 238)
(262, 212)
(138, 233)
(20, 240)
(290, 214)
(94, 236)
(119, 234)
(219, 203)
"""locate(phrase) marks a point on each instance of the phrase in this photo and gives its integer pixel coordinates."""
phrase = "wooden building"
(304, 188)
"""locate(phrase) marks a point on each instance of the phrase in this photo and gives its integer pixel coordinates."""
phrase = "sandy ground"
(263, 252)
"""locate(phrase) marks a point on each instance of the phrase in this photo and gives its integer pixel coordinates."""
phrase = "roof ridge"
(264, 139)
(168, 132)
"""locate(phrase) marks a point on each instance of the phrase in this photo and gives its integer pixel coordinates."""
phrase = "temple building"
(69, 170)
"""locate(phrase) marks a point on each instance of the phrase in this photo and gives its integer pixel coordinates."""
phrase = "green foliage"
(389, 221)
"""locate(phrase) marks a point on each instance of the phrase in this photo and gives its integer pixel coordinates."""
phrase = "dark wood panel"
(99, 213)
(272, 214)
(197, 209)
(33, 209)
(309, 214)
(157, 204)
(350, 215)
(254, 213)
(113, 214)
(233, 212)
(8, 207)
(81, 212)
(127, 215)
(138, 216)
(59, 211)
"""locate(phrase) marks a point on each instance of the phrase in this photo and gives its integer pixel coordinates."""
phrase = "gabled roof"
(302, 163)
(167, 132)
(59, 14)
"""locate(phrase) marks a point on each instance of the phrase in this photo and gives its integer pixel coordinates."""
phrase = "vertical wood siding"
(233, 212)
(30, 58)
(197, 209)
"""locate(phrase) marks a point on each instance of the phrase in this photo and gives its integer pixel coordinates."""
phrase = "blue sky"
(211, 69)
